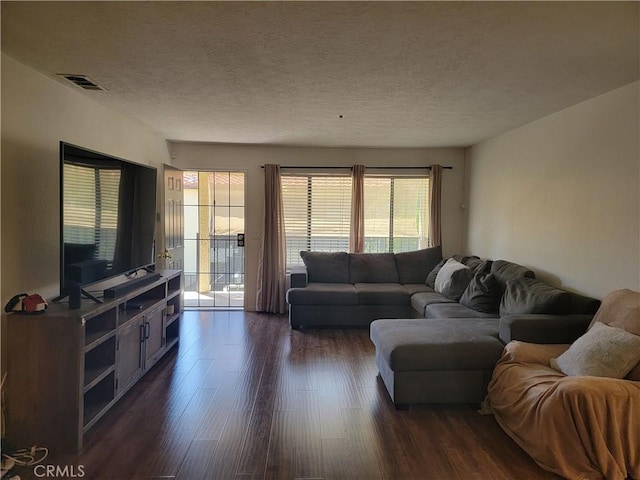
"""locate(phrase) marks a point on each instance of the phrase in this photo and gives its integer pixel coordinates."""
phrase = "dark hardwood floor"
(244, 397)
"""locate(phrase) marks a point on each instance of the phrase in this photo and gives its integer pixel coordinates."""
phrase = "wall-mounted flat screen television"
(107, 217)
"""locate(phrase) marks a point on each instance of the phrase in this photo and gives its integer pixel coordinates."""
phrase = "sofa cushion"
(414, 288)
(453, 279)
(329, 267)
(505, 271)
(413, 267)
(382, 294)
(423, 344)
(454, 310)
(581, 304)
(373, 268)
(474, 263)
(480, 266)
(419, 301)
(528, 295)
(323, 294)
(470, 261)
(431, 277)
(482, 294)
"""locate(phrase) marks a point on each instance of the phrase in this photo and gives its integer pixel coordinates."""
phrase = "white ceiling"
(402, 74)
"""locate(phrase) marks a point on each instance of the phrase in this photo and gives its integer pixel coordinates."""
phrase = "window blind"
(396, 211)
(91, 207)
(317, 210)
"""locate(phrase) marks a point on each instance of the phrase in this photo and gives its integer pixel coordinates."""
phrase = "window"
(396, 213)
(91, 207)
(317, 212)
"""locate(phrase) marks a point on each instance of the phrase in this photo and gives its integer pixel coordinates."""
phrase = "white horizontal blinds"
(317, 211)
(410, 213)
(377, 214)
(91, 207)
(396, 211)
(296, 213)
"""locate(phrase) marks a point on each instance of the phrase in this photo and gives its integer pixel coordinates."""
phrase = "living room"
(555, 186)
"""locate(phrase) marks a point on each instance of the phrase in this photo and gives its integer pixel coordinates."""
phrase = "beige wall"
(37, 113)
(250, 158)
(562, 195)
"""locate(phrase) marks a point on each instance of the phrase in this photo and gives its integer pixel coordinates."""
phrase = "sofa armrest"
(540, 328)
(299, 277)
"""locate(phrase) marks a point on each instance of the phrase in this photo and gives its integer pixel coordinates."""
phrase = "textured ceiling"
(402, 74)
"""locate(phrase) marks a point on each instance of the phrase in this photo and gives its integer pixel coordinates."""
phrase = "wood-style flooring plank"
(224, 461)
(308, 448)
(168, 450)
(195, 463)
(282, 444)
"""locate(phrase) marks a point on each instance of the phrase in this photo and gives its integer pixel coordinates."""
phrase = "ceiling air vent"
(81, 80)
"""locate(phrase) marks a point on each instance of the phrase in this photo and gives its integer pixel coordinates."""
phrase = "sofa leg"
(401, 406)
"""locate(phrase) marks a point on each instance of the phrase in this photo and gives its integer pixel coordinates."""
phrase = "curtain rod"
(324, 167)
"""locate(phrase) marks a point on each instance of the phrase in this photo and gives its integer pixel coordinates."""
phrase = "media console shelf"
(66, 368)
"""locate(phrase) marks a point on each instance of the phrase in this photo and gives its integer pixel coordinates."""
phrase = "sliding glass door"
(214, 239)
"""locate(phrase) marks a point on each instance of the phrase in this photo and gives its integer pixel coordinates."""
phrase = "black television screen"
(108, 213)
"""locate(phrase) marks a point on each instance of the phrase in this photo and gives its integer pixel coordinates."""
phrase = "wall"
(200, 156)
(37, 113)
(562, 195)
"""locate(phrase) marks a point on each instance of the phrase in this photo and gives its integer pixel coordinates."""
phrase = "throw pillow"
(470, 261)
(482, 294)
(603, 351)
(326, 267)
(505, 271)
(621, 308)
(453, 279)
(528, 295)
(431, 278)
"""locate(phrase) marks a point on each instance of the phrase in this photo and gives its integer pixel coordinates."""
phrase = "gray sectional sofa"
(437, 336)
(353, 289)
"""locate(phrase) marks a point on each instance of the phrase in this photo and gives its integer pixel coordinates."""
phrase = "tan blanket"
(577, 427)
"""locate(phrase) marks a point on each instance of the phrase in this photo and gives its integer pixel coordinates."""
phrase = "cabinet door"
(154, 337)
(129, 365)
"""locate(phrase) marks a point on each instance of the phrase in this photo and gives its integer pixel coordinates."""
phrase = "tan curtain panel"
(356, 234)
(435, 206)
(271, 289)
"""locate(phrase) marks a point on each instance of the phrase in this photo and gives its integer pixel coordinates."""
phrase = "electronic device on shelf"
(107, 219)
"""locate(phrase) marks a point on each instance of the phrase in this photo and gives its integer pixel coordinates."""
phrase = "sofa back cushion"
(584, 305)
(528, 295)
(413, 267)
(482, 294)
(326, 267)
(373, 268)
(505, 271)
